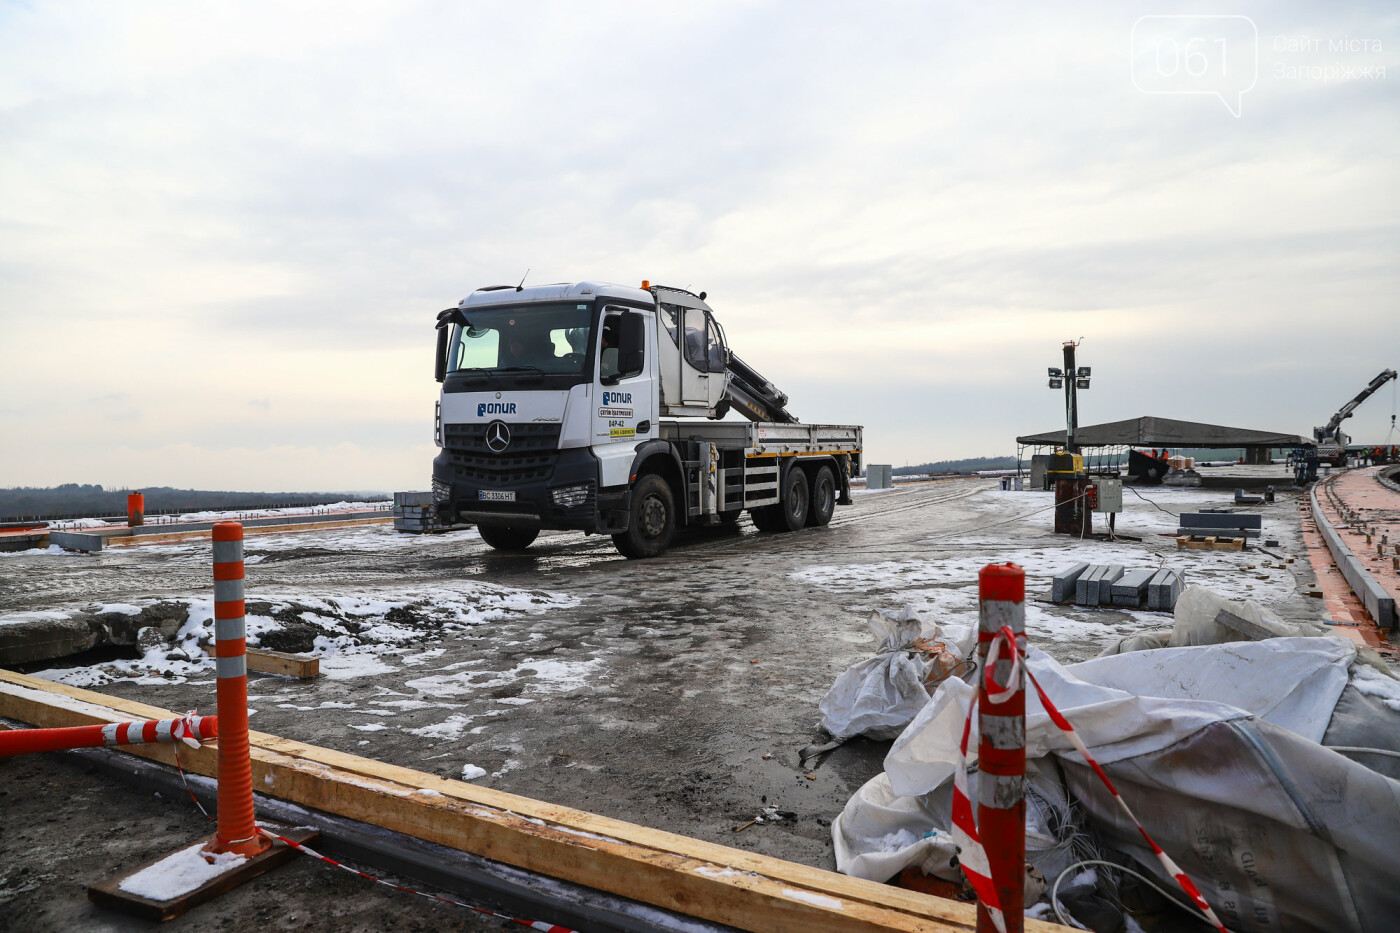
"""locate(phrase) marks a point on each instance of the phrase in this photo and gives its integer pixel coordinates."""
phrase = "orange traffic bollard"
(135, 509)
(1001, 750)
(237, 831)
(191, 728)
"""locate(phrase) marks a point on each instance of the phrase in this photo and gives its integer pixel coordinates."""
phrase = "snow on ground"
(355, 634)
(256, 546)
(941, 581)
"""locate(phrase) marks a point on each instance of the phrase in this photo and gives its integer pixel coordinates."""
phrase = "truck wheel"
(823, 502)
(792, 510)
(508, 537)
(651, 522)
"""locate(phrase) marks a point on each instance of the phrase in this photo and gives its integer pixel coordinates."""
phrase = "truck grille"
(530, 458)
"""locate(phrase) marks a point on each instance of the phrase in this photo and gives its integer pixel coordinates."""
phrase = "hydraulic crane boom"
(1330, 433)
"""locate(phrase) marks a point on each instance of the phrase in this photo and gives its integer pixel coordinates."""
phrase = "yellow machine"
(1064, 465)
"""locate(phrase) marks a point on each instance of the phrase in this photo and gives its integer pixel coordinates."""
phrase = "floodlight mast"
(1074, 380)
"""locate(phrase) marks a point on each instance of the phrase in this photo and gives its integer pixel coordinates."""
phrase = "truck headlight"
(567, 497)
(441, 491)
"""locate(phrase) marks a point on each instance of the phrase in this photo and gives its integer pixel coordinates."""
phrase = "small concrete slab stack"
(1221, 524)
(1130, 589)
(414, 514)
(1094, 587)
(1062, 587)
(1164, 588)
(1088, 584)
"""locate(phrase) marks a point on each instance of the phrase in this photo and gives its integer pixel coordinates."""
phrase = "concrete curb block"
(1379, 603)
(76, 541)
(1387, 478)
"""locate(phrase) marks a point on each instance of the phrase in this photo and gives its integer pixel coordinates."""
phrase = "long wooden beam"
(702, 879)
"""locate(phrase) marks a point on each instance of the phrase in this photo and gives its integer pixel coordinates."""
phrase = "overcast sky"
(225, 229)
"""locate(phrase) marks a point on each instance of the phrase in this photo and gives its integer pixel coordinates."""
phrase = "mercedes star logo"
(497, 436)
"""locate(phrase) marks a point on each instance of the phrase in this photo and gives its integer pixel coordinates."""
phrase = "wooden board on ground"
(690, 876)
(300, 666)
(1209, 543)
(110, 894)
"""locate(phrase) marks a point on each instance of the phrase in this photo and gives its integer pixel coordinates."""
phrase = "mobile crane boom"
(1330, 433)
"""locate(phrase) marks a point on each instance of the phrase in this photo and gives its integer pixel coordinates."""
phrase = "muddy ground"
(651, 691)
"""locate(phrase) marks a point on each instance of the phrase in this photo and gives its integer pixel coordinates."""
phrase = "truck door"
(697, 339)
(625, 413)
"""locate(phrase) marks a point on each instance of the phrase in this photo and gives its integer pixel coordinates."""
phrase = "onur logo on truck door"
(617, 398)
(494, 408)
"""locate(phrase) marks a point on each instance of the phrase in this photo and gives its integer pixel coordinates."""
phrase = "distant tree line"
(80, 500)
(969, 465)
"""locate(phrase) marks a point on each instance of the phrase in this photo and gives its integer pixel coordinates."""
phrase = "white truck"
(597, 407)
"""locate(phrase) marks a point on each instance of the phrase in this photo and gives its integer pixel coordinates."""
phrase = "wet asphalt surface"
(673, 692)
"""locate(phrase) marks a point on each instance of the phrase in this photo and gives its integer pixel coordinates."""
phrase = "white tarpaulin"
(1216, 750)
(879, 696)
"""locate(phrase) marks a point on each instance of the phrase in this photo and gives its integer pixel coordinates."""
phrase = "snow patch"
(178, 874)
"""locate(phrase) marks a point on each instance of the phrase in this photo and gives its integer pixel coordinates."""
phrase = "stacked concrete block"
(1111, 585)
(1094, 587)
(878, 476)
(1221, 524)
(415, 514)
(1062, 586)
(1129, 590)
(1164, 588)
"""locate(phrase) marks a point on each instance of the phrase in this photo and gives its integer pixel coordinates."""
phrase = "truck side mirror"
(631, 344)
(440, 364)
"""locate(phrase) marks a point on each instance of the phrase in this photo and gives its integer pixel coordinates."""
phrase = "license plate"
(494, 495)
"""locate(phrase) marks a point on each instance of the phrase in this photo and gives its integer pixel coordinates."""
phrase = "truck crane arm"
(1328, 431)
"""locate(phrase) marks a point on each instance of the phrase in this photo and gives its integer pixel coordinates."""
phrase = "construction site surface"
(606, 722)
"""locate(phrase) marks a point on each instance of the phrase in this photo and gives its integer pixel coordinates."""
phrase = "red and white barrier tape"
(532, 924)
(186, 729)
(973, 858)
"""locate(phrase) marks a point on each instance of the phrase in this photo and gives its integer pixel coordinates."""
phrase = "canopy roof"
(1148, 431)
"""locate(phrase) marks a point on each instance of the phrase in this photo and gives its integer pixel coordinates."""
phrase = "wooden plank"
(110, 895)
(742, 889)
(300, 666)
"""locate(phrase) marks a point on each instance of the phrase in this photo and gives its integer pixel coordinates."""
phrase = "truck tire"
(651, 522)
(508, 537)
(792, 508)
(823, 503)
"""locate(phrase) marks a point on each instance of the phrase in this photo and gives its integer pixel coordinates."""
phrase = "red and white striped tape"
(973, 858)
(188, 729)
(532, 924)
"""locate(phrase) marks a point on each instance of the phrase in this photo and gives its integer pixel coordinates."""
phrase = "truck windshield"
(543, 339)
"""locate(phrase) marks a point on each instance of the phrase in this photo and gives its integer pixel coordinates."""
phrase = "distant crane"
(1331, 441)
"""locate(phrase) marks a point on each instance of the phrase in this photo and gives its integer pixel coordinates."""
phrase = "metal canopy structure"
(1149, 431)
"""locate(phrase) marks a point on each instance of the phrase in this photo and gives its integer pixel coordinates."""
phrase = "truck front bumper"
(567, 500)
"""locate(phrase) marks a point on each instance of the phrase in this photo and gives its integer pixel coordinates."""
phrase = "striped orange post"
(1001, 750)
(190, 728)
(237, 831)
